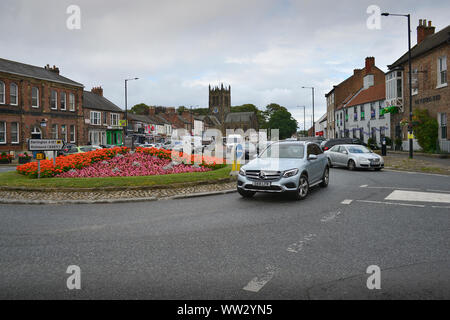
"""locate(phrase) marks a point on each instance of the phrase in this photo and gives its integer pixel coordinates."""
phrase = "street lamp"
(126, 105)
(304, 118)
(410, 78)
(313, 124)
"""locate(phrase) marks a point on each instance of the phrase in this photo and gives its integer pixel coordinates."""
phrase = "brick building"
(101, 119)
(344, 91)
(429, 61)
(38, 102)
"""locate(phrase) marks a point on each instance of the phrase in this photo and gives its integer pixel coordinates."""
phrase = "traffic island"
(417, 165)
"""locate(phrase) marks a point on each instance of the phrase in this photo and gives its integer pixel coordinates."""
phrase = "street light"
(313, 124)
(385, 14)
(304, 118)
(126, 105)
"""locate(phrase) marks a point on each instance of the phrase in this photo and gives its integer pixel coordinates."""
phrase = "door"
(314, 166)
(342, 156)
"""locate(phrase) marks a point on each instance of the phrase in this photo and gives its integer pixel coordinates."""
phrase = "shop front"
(114, 137)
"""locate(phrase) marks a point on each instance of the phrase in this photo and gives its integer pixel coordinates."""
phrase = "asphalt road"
(7, 168)
(225, 247)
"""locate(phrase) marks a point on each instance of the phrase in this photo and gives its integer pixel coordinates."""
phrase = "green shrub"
(425, 130)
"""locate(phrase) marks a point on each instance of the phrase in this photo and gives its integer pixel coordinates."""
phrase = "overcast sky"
(265, 49)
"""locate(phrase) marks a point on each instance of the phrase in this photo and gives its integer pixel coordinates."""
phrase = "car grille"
(372, 161)
(263, 175)
(268, 188)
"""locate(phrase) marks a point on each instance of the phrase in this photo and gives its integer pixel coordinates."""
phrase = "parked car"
(72, 148)
(297, 166)
(327, 144)
(354, 156)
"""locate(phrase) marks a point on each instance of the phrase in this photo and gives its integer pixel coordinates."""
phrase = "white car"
(354, 156)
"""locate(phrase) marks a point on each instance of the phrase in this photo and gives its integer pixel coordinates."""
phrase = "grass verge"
(13, 179)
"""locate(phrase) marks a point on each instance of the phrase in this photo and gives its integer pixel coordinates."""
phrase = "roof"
(97, 102)
(184, 120)
(139, 117)
(159, 119)
(349, 97)
(27, 70)
(214, 120)
(373, 93)
(322, 118)
(239, 117)
(430, 42)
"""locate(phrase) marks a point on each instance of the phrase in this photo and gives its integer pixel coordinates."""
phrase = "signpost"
(42, 145)
(238, 153)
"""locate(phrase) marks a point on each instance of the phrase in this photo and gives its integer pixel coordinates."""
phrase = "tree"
(281, 119)
(425, 129)
(140, 108)
(181, 109)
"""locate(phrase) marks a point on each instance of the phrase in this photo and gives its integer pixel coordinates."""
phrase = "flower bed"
(101, 163)
(5, 158)
(131, 164)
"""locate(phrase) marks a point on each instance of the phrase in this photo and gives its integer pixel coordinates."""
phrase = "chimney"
(424, 30)
(151, 110)
(54, 69)
(370, 63)
(97, 90)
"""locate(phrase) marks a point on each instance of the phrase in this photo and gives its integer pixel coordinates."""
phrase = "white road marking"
(438, 190)
(298, 246)
(260, 281)
(347, 201)
(331, 216)
(443, 207)
(392, 188)
(418, 196)
(393, 203)
(363, 186)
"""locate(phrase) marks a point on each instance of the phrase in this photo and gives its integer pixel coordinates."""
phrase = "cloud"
(265, 49)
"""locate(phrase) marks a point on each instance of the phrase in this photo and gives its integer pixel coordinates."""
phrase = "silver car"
(287, 166)
(354, 156)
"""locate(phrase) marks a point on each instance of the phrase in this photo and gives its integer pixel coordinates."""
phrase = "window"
(380, 107)
(54, 99)
(2, 92)
(442, 71)
(114, 119)
(346, 115)
(415, 81)
(13, 94)
(14, 132)
(63, 133)
(96, 118)
(105, 118)
(62, 102)
(362, 111)
(35, 97)
(355, 113)
(2, 132)
(372, 110)
(72, 133)
(443, 123)
(54, 131)
(71, 102)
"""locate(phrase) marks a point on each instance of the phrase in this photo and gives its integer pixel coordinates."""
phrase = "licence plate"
(261, 183)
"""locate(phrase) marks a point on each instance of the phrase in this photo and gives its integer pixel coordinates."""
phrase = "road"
(4, 168)
(225, 247)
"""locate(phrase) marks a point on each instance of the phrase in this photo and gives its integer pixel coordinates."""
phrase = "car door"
(343, 156)
(314, 172)
(332, 154)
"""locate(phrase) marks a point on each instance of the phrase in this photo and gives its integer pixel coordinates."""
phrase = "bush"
(388, 141)
(425, 130)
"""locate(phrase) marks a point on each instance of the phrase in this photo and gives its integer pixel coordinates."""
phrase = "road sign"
(40, 156)
(239, 151)
(45, 144)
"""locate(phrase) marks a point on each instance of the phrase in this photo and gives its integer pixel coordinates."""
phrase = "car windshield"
(284, 151)
(358, 149)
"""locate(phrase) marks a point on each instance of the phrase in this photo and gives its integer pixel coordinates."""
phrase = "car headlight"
(242, 172)
(290, 173)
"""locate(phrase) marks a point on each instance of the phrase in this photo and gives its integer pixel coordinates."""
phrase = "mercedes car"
(285, 167)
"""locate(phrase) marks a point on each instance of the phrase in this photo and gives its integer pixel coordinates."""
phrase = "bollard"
(383, 147)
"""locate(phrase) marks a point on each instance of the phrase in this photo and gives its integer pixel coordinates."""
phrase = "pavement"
(227, 247)
(7, 167)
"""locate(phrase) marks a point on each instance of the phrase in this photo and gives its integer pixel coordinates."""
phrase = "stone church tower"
(220, 102)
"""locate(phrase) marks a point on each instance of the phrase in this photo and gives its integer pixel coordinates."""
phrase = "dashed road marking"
(257, 283)
(392, 203)
(298, 246)
(363, 186)
(330, 216)
(418, 196)
(346, 201)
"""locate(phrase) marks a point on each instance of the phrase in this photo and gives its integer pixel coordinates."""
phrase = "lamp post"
(304, 118)
(126, 105)
(410, 78)
(313, 123)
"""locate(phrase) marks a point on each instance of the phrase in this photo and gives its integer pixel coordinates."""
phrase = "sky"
(265, 49)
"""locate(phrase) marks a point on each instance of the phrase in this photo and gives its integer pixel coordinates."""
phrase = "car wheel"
(325, 178)
(245, 193)
(351, 165)
(329, 163)
(303, 188)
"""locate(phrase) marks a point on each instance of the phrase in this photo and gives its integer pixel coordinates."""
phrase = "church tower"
(220, 102)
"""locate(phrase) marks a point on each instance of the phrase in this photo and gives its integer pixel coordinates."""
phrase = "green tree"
(140, 108)
(280, 118)
(425, 129)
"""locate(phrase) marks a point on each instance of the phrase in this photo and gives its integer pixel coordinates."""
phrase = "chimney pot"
(97, 90)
